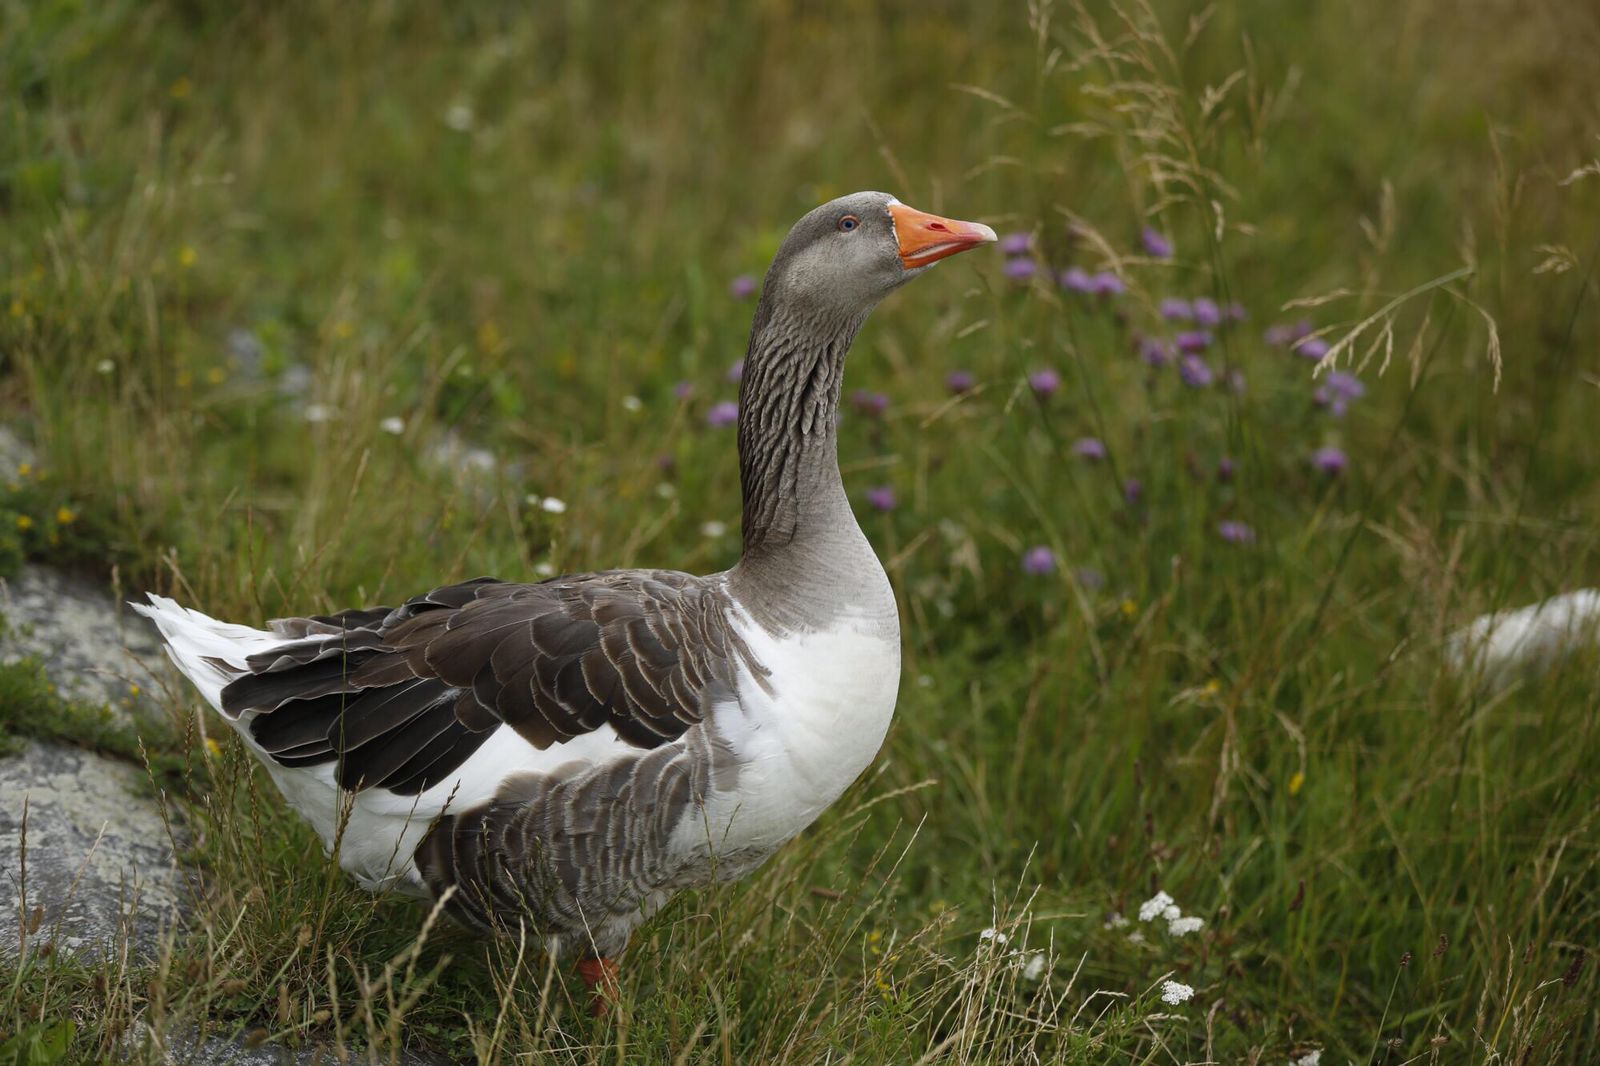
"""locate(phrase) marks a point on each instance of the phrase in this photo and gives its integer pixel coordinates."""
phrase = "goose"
(561, 757)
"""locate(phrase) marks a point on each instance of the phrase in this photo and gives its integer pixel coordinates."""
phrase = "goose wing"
(399, 698)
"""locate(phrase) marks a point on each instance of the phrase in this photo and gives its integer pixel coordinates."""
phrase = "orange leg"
(600, 978)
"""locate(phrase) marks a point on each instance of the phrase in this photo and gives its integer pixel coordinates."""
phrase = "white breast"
(803, 732)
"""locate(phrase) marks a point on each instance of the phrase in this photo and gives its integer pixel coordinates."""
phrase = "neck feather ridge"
(788, 438)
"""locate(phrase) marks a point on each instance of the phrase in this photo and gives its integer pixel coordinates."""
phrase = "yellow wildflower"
(66, 515)
(216, 375)
(343, 329)
(24, 469)
(181, 88)
(213, 748)
(134, 690)
(1130, 608)
(1297, 782)
(24, 522)
(1212, 687)
(187, 256)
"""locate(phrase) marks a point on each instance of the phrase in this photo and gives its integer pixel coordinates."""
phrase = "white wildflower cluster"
(1032, 965)
(1310, 1058)
(1164, 907)
(393, 425)
(1176, 992)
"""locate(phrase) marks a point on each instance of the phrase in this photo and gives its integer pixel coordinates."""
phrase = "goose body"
(563, 756)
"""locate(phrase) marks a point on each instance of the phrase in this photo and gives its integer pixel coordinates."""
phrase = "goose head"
(845, 256)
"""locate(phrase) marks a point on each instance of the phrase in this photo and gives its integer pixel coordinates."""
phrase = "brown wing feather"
(402, 697)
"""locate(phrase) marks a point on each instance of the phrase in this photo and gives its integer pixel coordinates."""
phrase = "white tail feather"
(208, 652)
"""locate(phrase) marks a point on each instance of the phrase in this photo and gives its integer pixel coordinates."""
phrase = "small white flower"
(993, 934)
(105, 366)
(666, 490)
(459, 117)
(1172, 913)
(1310, 1058)
(1185, 926)
(1114, 920)
(317, 412)
(1136, 937)
(1033, 966)
(1155, 907)
(632, 404)
(545, 569)
(1175, 992)
(714, 529)
(553, 505)
(393, 424)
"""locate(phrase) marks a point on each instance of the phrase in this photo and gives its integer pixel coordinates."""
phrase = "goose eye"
(848, 223)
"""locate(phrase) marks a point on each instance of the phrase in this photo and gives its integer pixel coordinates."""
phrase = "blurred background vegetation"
(315, 304)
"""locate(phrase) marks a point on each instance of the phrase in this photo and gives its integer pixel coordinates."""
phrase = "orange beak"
(925, 239)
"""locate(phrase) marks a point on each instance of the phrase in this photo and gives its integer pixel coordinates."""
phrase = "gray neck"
(805, 560)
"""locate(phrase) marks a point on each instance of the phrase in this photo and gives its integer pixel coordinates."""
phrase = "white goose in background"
(566, 755)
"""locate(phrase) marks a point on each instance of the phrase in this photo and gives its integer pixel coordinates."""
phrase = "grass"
(493, 224)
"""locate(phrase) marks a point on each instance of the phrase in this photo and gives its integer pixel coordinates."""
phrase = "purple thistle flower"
(871, 404)
(1313, 348)
(743, 287)
(1194, 340)
(1077, 279)
(1106, 283)
(1020, 268)
(1044, 383)
(1090, 578)
(1330, 461)
(1235, 532)
(683, 390)
(1237, 312)
(881, 498)
(1091, 448)
(1345, 385)
(1038, 561)
(736, 371)
(1206, 311)
(959, 381)
(1278, 335)
(1325, 397)
(1225, 469)
(722, 415)
(1132, 490)
(1302, 329)
(1195, 371)
(1176, 310)
(1016, 243)
(1156, 243)
(1155, 351)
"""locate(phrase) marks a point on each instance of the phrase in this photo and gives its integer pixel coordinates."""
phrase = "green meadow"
(314, 304)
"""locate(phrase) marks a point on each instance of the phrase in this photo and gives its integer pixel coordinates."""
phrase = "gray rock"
(98, 859)
(91, 649)
(13, 449)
